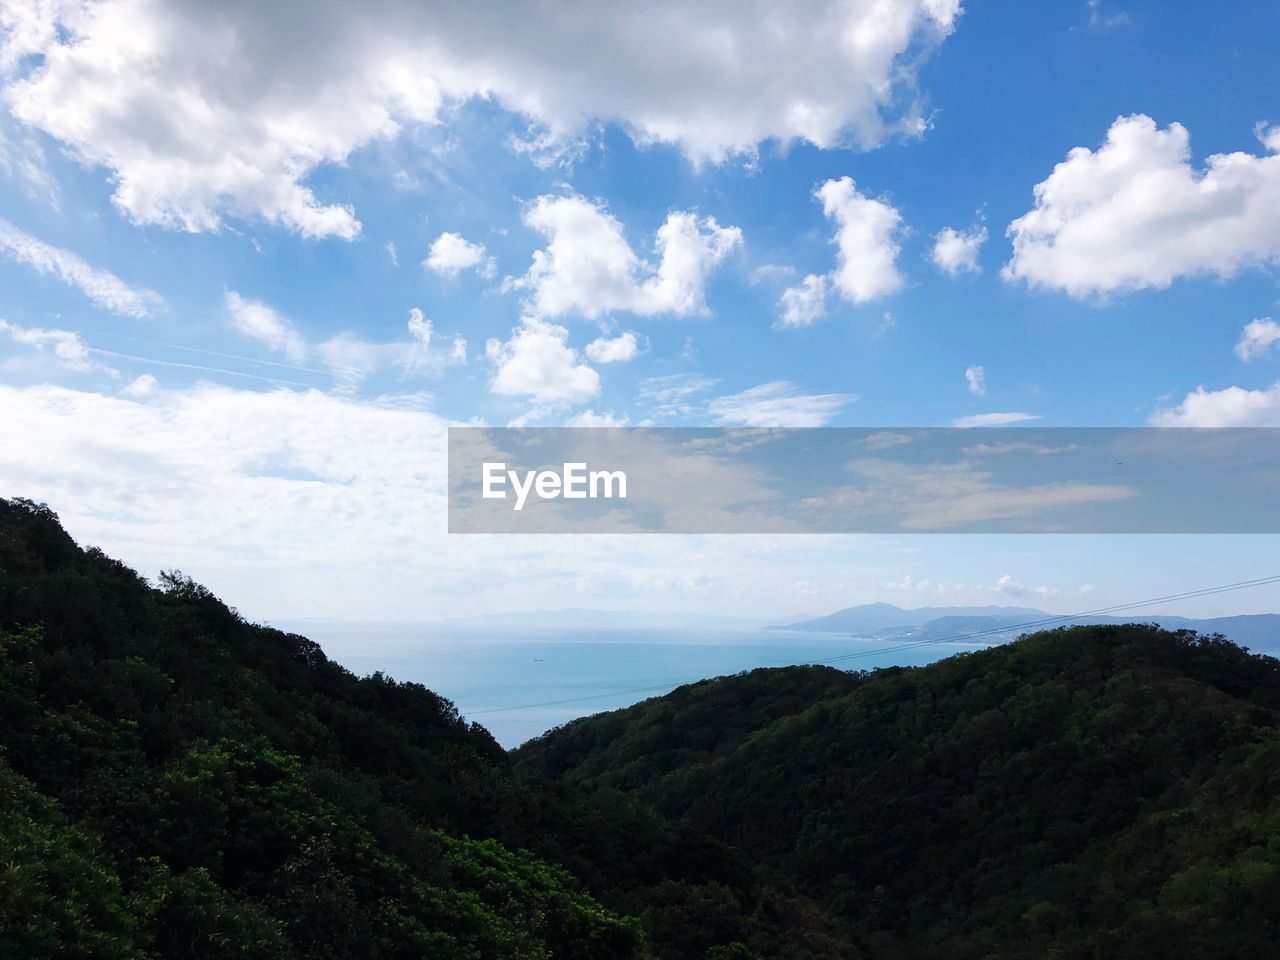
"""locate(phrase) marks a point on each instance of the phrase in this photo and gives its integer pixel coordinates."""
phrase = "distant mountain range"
(870, 619)
(995, 624)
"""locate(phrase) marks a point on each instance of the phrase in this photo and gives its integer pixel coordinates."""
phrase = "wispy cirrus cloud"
(777, 404)
(101, 286)
(993, 419)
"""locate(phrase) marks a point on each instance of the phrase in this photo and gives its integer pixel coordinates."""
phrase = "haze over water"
(525, 677)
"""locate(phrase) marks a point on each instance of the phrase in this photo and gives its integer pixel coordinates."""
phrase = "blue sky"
(228, 344)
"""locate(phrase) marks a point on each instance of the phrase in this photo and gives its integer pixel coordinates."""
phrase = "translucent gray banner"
(836, 480)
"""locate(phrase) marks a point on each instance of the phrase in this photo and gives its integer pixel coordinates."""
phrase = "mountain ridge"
(1086, 792)
(995, 624)
(883, 616)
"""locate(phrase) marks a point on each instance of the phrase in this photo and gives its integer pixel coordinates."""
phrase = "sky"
(255, 258)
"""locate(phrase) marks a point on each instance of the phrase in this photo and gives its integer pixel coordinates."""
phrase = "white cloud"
(776, 404)
(538, 362)
(420, 328)
(939, 494)
(1135, 214)
(66, 344)
(884, 440)
(615, 349)
(689, 247)
(804, 304)
(866, 241)
(1230, 407)
(589, 418)
(350, 359)
(588, 267)
(392, 255)
(416, 353)
(203, 111)
(1103, 21)
(673, 395)
(976, 377)
(103, 288)
(1017, 446)
(956, 252)
(887, 323)
(1008, 585)
(451, 253)
(22, 157)
(1257, 338)
(993, 419)
(322, 506)
(263, 323)
(295, 479)
(140, 387)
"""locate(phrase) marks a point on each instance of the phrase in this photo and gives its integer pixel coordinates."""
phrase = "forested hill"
(177, 782)
(1095, 792)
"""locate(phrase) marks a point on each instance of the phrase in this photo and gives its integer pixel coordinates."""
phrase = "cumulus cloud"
(65, 344)
(777, 404)
(625, 346)
(589, 418)
(451, 253)
(1230, 407)
(103, 288)
(689, 248)
(804, 304)
(589, 268)
(140, 387)
(867, 246)
(1257, 338)
(866, 242)
(993, 419)
(263, 323)
(956, 252)
(1135, 214)
(1007, 584)
(537, 362)
(976, 377)
(199, 111)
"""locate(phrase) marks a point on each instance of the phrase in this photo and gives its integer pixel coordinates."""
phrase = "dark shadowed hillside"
(1092, 792)
(177, 782)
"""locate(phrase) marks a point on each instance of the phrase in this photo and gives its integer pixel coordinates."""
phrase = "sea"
(520, 684)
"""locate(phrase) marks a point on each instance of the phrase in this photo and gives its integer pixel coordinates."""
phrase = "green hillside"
(1089, 792)
(177, 782)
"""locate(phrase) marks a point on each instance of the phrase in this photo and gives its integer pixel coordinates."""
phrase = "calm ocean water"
(520, 686)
